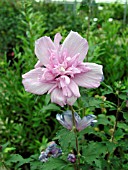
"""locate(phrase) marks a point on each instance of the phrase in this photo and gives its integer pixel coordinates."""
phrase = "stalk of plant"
(115, 124)
(76, 136)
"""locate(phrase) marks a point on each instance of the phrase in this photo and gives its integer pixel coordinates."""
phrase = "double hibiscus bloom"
(60, 69)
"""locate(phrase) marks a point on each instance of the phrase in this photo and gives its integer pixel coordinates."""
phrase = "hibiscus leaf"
(66, 139)
(94, 102)
(125, 115)
(92, 151)
(54, 164)
(16, 158)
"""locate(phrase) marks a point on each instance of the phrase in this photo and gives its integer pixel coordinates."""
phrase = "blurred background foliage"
(27, 122)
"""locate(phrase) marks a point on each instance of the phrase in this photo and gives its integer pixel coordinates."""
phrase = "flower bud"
(71, 158)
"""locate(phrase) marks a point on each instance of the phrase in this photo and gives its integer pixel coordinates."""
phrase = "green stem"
(115, 126)
(75, 168)
(76, 136)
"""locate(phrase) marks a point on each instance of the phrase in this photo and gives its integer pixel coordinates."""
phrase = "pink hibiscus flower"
(60, 69)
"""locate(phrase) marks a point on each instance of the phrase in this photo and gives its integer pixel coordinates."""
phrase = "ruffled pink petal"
(66, 92)
(32, 84)
(74, 88)
(48, 76)
(75, 44)
(91, 78)
(43, 46)
(58, 97)
(64, 81)
(57, 40)
(71, 100)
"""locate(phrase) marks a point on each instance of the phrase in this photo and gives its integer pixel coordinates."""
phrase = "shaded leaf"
(122, 96)
(125, 115)
(66, 139)
(118, 134)
(123, 126)
(54, 164)
(93, 151)
(93, 102)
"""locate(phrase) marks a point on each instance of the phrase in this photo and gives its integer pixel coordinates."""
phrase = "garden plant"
(64, 86)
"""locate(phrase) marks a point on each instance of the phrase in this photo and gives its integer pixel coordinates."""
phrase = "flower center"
(62, 69)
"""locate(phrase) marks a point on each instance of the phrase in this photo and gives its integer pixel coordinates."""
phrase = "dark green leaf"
(110, 146)
(93, 102)
(122, 126)
(16, 158)
(122, 96)
(54, 164)
(125, 115)
(102, 119)
(36, 165)
(93, 151)
(119, 134)
(66, 139)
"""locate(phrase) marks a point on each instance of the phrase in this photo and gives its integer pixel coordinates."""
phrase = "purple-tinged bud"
(51, 151)
(43, 157)
(51, 146)
(71, 158)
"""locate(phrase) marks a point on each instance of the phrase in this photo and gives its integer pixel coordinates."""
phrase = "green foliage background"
(27, 122)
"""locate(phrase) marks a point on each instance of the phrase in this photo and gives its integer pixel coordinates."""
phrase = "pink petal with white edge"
(90, 79)
(58, 97)
(75, 44)
(38, 64)
(33, 74)
(43, 46)
(71, 100)
(33, 85)
(57, 40)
